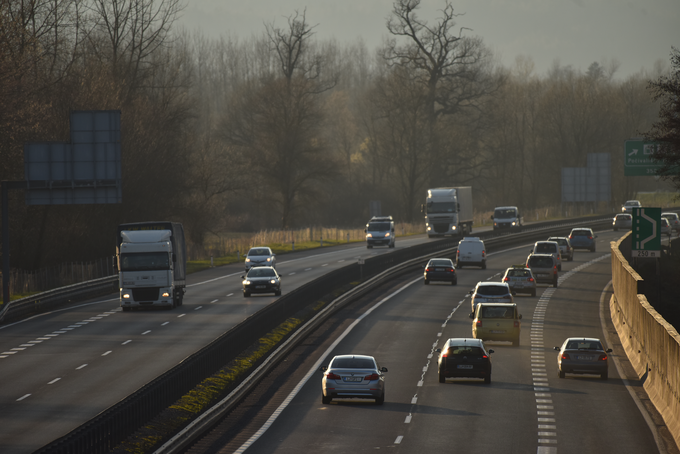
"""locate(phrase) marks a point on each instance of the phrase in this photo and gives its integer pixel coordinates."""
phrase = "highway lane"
(60, 369)
(526, 408)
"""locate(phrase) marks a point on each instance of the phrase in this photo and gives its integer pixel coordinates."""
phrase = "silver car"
(549, 247)
(622, 221)
(565, 247)
(356, 376)
(520, 279)
(544, 268)
(260, 256)
(583, 355)
(673, 220)
(490, 292)
(629, 205)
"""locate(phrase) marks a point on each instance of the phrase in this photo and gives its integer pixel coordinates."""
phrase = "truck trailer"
(151, 258)
(448, 211)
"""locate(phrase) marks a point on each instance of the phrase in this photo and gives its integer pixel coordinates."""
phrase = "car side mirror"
(492, 217)
(609, 350)
(556, 348)
(520, 316)
(243, 277)
(438, 350)
(472, 315)
(383, 369)
(514, 293)
(323, 369)
(490, 351)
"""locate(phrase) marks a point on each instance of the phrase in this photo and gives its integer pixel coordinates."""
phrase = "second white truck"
(448, 211)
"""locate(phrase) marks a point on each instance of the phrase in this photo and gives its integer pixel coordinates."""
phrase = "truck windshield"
(441, 207)
(504, 214)
(378, 226)
(143, 261)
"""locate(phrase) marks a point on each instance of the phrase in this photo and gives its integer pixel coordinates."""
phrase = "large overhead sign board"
(646, 241)
(637, 160)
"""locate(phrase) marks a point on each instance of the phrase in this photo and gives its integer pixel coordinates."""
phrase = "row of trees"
(283, 130)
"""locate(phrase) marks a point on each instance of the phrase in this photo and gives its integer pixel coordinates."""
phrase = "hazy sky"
(637, 33)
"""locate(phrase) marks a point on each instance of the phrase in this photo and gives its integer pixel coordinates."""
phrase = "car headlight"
(513, 222)
(269, 259)
(368, 235)
(246, 282)
(453, 228)
(429, 228)
(273, 281)
(126, 296)
(247, 259)
(387, 234)
(165, 294)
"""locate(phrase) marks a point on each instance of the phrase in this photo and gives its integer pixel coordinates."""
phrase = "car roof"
(354, 356)
(259, 247)
(632, 201)
(472, 238)
(441, 258)
(464, 341)
(498, 304)
(545, 241)
(553, 238)
(587, 339)
(505, 208)
(493, 284)
(518, 267)
(669, 214)
(581, 228)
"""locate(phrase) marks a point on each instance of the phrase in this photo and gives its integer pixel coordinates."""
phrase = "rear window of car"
(498, 312)
(353, 363)
(546, 248)
(560, 241)
(258, 252)
(581, 233)
(624, 216)
(519, 273)
(584, 345)
(464, 350)
(492, 290)
(541, 262)
(441, 263)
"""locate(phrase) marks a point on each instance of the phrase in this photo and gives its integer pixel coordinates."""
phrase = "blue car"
(582, 238)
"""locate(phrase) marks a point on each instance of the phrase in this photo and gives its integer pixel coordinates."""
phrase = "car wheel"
(459, 266)
(604, 375)
(442, 378)
(515, 343)
(555, 283)
(616, 230)
(277, 293)
(561, 374)
(127, 309)
(559, 268)
(380, 400)
(483, 265)
(592, 250)
(427, 282)
(246, 294)
(533, 292)
(325, 400)
(369, 246)
(487, 379)
(454, 282)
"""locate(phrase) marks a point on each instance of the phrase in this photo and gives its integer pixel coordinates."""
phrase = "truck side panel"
(465, 200)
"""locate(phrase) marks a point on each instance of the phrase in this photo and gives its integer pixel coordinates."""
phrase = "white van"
(471, 251)
(380, 232)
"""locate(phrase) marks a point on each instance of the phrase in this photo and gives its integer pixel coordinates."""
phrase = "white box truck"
(448, 211)
(151, 258)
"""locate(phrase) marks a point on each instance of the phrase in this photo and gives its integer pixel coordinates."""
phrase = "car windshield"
(259, 251)
(584, 345)
(498, 312)
(541, 262)
(505, 213)
(353, 363)
(144, 261)
(492, 290)
(378, 226)
(441, 263)
(519, 273)
(581, 233)
(624, 216)
(460, 350)
(261, 272)
(441, 207)
(560, 241)
(632, 203)
(545, 248)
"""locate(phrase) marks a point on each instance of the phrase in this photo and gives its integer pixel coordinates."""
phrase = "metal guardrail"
(106, 430)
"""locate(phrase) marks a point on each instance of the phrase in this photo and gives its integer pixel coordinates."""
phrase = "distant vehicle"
(471, 252)
(261, 279)
(544, 268)
(464, 358)
(520, 279)
(448, 211)
(549, 247)
(440, 270)
(490, 292)
(380, 232)
(665, 227)
(583, 355)
(260, 256)
(622, 221)
(353, 376)
(506, 218)
(565, 247)
(673, 220)
(151, 259)
(497, 322)
(629, 205)
(582, 238)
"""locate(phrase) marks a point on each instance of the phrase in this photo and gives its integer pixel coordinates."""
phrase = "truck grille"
(441, 228)
(145, 294)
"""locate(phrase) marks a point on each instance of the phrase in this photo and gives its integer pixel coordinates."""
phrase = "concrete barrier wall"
(652, 345)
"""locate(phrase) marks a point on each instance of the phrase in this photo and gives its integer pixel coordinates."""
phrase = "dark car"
(583, 355)
(582, 238)
(464, 358)
(261, 279)
(440, 270)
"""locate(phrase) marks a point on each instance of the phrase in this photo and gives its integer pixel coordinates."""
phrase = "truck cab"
(506, 218)
(380, 232)
(448, 211)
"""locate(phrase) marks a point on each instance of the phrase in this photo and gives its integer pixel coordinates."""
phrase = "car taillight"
(451, 270)
(571, 237)
(602, 358)
(479, 324)
(506, 279)
(372, 377)
(555, 269)
(565, 356)
(457, 253)
(484, 357)
(483, 253)
(590, 237)
(332, 376)
(445, 354)
(516, 324)
(531, 279)
(428, 269)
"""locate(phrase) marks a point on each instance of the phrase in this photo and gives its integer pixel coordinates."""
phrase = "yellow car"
(497, 322)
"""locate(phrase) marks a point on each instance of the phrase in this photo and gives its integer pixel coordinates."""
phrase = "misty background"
(287, 127)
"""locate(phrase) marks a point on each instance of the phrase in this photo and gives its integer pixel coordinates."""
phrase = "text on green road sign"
(646, 241)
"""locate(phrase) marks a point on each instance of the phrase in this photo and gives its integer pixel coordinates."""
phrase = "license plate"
(584, 358)
(440, 269)
(353, 379)
(465, 366)
(518, 284)
(497, 331)
(541, 275)
(261, 286)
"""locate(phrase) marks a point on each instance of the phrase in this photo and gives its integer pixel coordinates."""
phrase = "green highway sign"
(637, 160)
(646, 241)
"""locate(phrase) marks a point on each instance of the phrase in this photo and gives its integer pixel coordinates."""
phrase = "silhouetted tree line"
(284, 130)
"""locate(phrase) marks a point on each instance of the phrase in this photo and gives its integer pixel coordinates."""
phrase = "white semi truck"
(448, 211)
(151, 259)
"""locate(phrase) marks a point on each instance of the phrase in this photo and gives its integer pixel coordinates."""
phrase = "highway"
(525, 409)
(60, 369)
